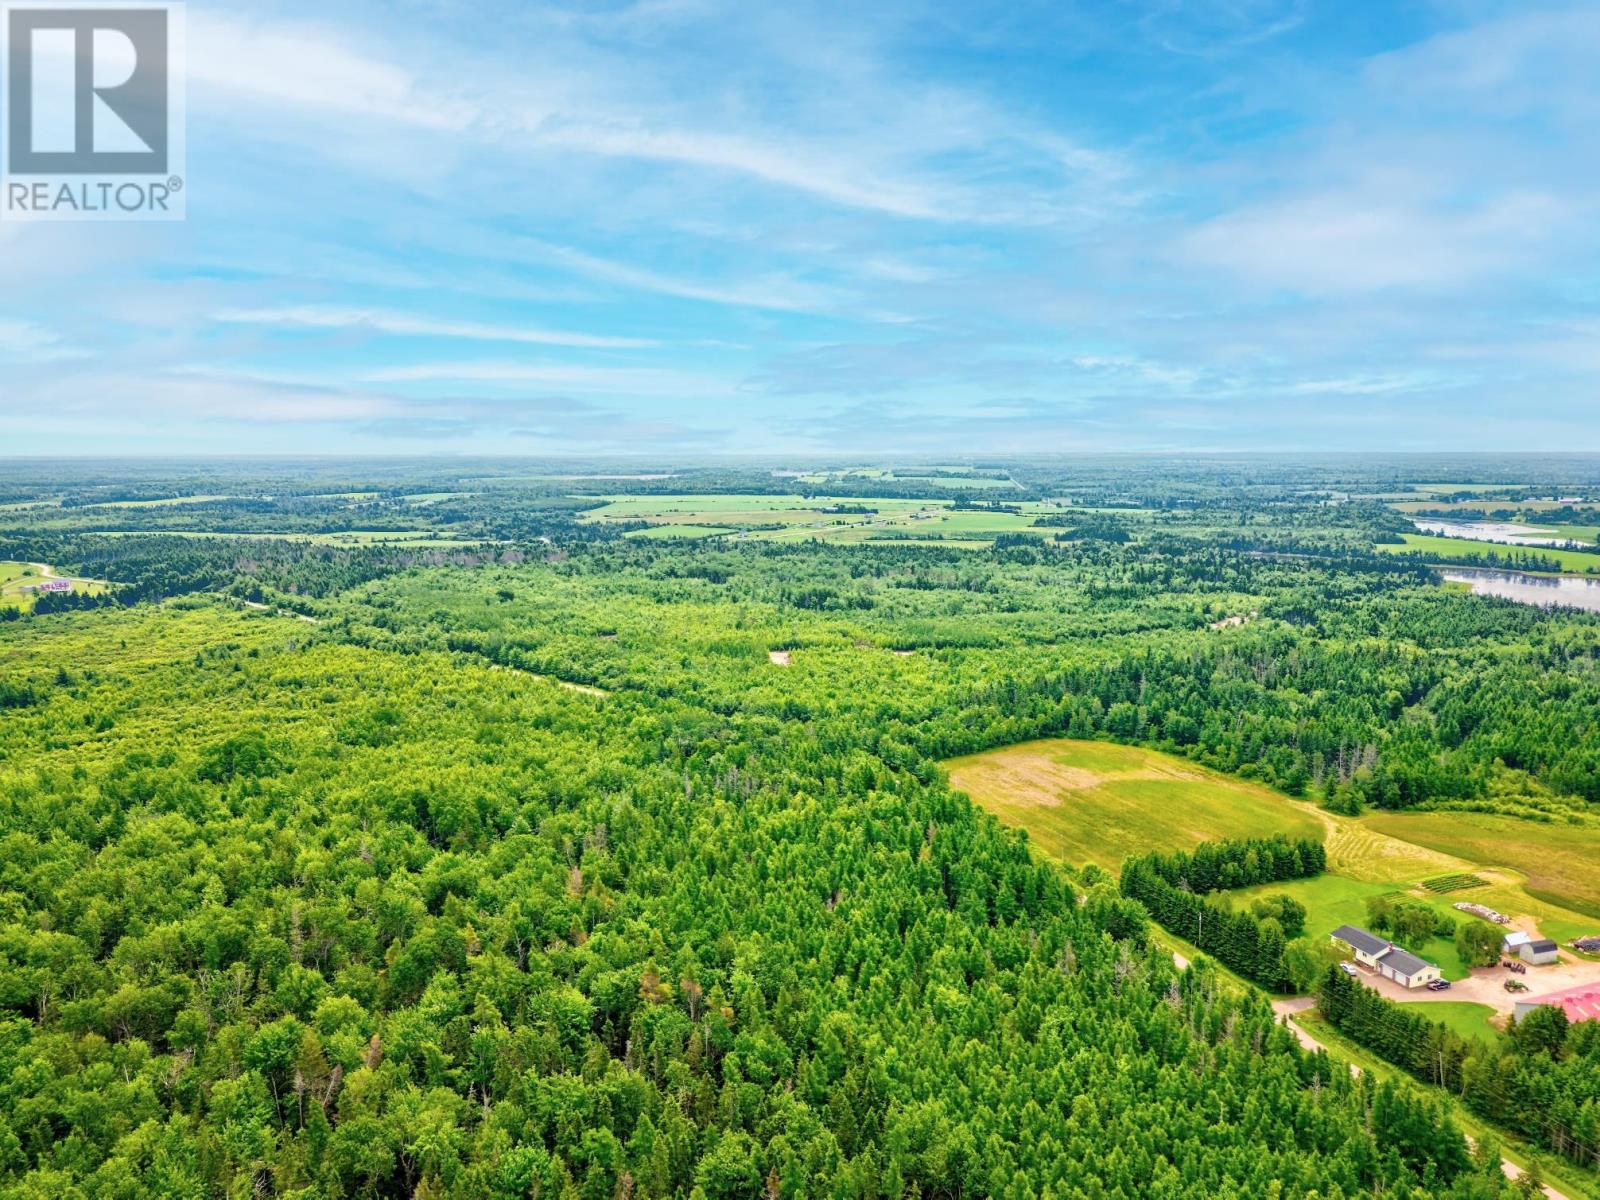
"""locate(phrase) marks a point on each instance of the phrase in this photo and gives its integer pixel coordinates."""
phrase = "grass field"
(169, 502)
(17, 578)
(1467, 1019)
(1445, 548)
(1098, 802)
(797, 519)
(794, 518)
(350, 537)
(1333, 900)
(1559, 861)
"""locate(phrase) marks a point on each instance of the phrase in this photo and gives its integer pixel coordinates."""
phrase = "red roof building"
(1581, 1003)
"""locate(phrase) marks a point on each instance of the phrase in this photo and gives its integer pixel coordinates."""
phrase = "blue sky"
(679, 226)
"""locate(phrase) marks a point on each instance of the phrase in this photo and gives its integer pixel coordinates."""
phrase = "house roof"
(1360, 939)
(1581, 1003)
(1542, 946)
(1404, 962)
(1401, 961)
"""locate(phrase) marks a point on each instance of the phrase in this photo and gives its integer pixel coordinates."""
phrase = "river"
(1493, 531)
(1543, 590)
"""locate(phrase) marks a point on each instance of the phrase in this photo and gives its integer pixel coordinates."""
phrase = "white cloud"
(902, 152)
(777, 292)
(634, 381)
(24, 341)
(1375, 236)
(406, 325)
(308, 66)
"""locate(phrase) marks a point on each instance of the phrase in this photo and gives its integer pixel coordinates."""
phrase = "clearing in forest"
(1099, 802)
(1558, 858)
(20, 581)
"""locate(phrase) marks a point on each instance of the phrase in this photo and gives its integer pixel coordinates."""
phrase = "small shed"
(1539, 952)
(1515, 942)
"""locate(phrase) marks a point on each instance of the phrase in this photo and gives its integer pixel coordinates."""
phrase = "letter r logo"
(86, 90)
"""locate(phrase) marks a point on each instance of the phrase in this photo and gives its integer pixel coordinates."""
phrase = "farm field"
(1558, 860)
(676, 531)
(168, 502)
(799, 520)
(16, 578)
(1100, 802)
(1447, 548)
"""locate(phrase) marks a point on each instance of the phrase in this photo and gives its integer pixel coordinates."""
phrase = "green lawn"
(684, 531)
(1334, 900)
(1098, 802)
(1467, 1019)
(1445, 548)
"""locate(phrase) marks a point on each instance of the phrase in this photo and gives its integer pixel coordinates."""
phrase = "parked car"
(1349, 968)
(1439, 985)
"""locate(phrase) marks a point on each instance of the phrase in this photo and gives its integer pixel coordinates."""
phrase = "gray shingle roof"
(1360, 939)
(1404, 962)
(1542, 946)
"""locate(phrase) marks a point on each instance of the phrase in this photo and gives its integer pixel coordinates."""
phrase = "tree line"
(1173, 888)
(1542, 1081)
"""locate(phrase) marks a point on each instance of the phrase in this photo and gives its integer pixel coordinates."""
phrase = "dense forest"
(1543, 1083)
(1173, 889)
(525, 866)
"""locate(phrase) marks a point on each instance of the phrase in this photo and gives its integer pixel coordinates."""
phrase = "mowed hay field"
(1561, 862)
(1096, 802)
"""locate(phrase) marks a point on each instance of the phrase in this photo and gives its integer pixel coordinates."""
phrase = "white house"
(1386, 958)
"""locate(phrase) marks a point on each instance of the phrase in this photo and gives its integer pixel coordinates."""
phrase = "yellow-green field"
(1098, 802)
(168, 502)
(1446, 548)
(796, 518)
(677, 532)
(17, 579)
(1560, 861)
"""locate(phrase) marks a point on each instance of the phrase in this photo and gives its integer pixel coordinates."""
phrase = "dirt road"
(1486, 985)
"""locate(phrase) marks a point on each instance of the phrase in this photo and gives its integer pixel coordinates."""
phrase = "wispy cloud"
(24, 341)
(780, 293)
(1377, 234)
(621, 381)
(408, 325)
(1169, 222)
